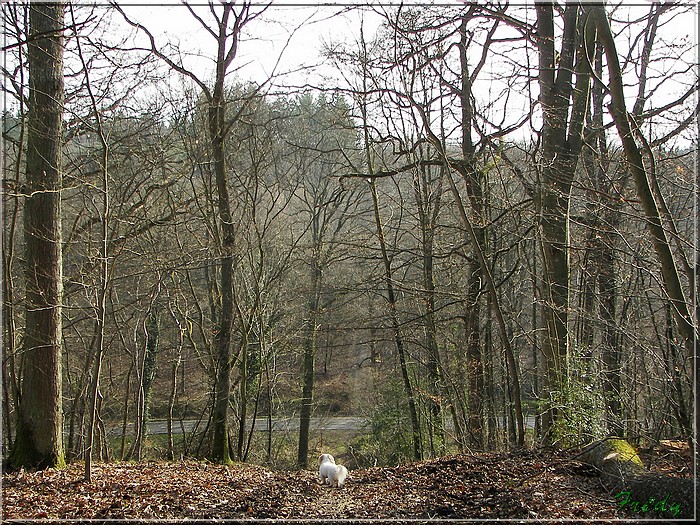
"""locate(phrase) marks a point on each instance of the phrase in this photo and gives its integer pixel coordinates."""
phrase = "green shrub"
(386, 437)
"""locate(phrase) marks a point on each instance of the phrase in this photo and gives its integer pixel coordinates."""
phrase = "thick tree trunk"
(635, 488)
(564, 107)
(39, 438)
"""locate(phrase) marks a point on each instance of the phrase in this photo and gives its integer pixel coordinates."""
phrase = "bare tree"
(629, 134)
(564, 108)
(101, 299)
(16, 25)
(39, 439)
(226, 33)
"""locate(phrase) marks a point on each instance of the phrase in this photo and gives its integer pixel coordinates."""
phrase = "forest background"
(472, 227)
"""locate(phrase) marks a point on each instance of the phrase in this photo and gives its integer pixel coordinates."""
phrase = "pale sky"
(260, 50)
(312, 26)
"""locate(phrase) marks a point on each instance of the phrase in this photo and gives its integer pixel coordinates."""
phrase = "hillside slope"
(524, 485)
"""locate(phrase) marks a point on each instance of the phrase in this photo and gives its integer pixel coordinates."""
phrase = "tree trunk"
(388, 278)
(94, 395)
(398, 339)
(475, 369)
(473, 181)
(10, 387)
(10, 215)
(564, 107)
(39, 436)
(309, 361)
(244, 379)
(626, 129)
(634, 487)
(601, 274)
(125, 417)
(149, 366)
(428, 211)
(222, 339)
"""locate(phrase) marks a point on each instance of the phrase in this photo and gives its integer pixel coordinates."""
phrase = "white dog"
(330, 473)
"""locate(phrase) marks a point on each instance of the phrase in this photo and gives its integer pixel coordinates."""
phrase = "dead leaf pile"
(523, 485)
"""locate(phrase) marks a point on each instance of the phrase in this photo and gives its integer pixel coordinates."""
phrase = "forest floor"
(530, 485)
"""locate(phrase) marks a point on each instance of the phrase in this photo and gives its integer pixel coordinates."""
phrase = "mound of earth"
(522, 485)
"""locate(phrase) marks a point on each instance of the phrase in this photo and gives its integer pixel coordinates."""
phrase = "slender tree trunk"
(627, 129)
(256, 408)
(513, 373)
(428, 211)
(94, 396)
(226, 30)
(537, 369)
(39, 436)
(125, 418)
(152, 326)
(674, 372)
(171, 406)
(475, 369)
(398, 338)
(473, 182)
(308, 365)
(268, 391)
(9, 238)
(222, 338)
(607, 286)
(601, 275)
(243, 399)
(472, 237)
(7, 405)
(10, 387)
(388, 278)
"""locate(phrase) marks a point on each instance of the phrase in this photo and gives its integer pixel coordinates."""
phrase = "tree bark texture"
(222, 337)
(564, 107)
(39, 439)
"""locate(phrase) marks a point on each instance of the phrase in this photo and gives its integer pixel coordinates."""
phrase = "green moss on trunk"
(636, 489)
(26, 454)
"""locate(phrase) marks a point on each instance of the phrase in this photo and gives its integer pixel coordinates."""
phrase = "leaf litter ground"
(521, 485)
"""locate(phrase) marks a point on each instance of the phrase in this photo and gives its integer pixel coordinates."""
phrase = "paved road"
(160, 426)
(284, 424)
